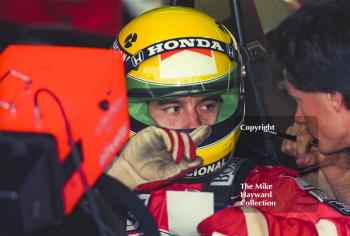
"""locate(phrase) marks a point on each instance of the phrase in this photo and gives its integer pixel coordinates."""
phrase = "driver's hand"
(155, 156)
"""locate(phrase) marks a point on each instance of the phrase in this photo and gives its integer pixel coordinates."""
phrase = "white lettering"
(253, 203)
(216, 46)
(263, 186)
(256, 195)
(207, 169)
(202, 171)
(203, 43)
(255, 128)
(171, 45)
(184, 43)
(211, 168)
(155, 49)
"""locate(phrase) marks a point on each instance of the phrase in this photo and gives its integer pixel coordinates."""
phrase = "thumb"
(200, 134)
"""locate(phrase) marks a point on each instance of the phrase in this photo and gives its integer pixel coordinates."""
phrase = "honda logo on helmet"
(184, 43)
(230, 51)
(137, 59)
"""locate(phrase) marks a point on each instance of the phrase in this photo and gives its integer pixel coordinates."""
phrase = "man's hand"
(155, 156)
(335, 167)
(305, 154)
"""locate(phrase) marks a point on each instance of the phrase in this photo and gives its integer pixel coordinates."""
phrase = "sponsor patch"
(339, 206)
(319, 195)
(227, 176)
(205, 170)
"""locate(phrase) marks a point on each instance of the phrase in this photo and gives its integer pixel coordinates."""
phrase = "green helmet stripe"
(141, 91)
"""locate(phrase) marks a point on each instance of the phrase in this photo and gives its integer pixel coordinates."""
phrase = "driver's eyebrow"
(215, 98)
(165, 102)
(179, 101)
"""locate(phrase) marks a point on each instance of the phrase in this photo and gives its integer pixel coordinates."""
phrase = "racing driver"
(184, 73)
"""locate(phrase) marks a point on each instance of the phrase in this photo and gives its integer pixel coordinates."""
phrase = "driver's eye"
(172, 109)
(209, 105)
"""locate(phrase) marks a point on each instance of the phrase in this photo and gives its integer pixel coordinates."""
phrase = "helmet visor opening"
(228, 104)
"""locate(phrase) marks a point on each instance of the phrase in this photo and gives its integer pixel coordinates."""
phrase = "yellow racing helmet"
(173, 51)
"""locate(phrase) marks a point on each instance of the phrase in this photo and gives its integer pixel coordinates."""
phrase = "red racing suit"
(270, 201)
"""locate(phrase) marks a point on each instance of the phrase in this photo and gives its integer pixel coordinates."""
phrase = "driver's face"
(186, 112)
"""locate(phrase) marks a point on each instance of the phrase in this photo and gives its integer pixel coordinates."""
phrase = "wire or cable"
(75, 155)
(313, 143)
